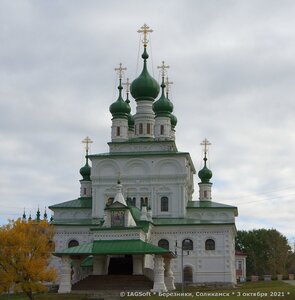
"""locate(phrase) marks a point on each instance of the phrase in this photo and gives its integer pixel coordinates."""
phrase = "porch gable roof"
(103, 247)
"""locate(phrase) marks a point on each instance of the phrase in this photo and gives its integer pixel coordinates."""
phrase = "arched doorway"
(187, 274)
(121, 265)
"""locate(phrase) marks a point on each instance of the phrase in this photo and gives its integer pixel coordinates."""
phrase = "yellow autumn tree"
(25, 250)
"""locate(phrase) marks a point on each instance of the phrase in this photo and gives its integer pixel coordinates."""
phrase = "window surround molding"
(167, 194)
(207, 240)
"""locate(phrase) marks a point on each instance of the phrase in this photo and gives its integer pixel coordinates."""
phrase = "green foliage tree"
(291, 263)
(267, 251)
(24, 254)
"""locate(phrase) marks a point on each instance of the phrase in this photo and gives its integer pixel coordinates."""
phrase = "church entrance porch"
(121, 265)
(114, 258)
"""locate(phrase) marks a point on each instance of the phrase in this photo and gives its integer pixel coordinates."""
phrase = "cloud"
(232, 65)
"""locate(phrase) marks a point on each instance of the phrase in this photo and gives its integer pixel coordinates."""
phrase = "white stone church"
(136, 215)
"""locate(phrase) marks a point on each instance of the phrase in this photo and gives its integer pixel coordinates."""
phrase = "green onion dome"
(173, 120)
(205, 174)
(120, 109)
(130, 117)
(85, 171)
(144, 87)
(163, 106)
(130, 121)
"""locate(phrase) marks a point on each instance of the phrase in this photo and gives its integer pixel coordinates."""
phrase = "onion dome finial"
(205, 174)
(144, 87)
(85, 171)
(120, 109)
(163, 106)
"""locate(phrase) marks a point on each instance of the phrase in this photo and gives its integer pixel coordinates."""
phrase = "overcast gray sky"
(233, 68)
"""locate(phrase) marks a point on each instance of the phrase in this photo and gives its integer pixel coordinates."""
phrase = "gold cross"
(205, 143)
(127, 83)
(145, 30)
(120, 70)
(87, 141)
(168, 83)
(163, 67)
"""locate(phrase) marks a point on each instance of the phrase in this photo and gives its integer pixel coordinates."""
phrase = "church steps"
(114, 282)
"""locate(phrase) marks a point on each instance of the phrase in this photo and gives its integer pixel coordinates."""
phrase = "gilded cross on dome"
(120, 70)
(87, 141)
(127, 83)
(163, 68)
(205, 143)
(168, 83)
(145, 30)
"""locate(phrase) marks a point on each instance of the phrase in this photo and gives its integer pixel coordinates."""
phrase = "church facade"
(136, 214)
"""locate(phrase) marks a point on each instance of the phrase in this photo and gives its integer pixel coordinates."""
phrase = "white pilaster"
(65, 285)
(159, 282)
(143, 216)
(168, 275)
(137, 264)
(99, 265)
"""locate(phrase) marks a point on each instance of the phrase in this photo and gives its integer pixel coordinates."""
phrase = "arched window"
(162, 129)
(148, 128)
(164, 204)
(73, 243)
(163, 244)
(210, 244)
(118, 131)
(188, 274)
(187, 244)
(140, 128)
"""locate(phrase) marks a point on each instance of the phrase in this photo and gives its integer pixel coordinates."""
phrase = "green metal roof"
(186, 221)
(207, 204)
(210, 204)
(135, 211)
(87, 262)
(84, 202)
(78, 222)
(103, 247)
(116, 228)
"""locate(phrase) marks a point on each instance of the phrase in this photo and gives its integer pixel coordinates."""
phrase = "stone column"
(168, 275)
(99, 265)
(137, 264)
(77, 271)
(65, 285)
(159, 282)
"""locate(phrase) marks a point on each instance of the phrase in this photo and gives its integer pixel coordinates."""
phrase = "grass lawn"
(274, 290)
(45, 296)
